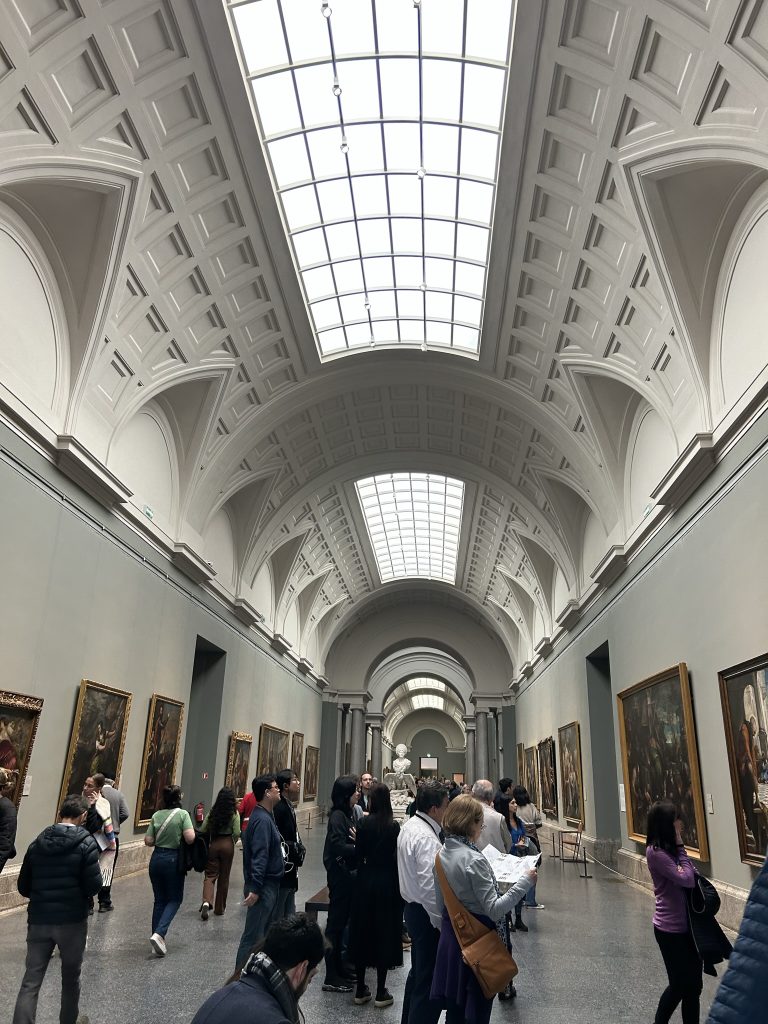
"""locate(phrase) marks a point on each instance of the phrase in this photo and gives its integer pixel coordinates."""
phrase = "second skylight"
(381, 121)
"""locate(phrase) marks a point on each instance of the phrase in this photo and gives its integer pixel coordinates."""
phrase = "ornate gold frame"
(679, 672)
(260, 770)
(311, 796)
(74, 735)
(548, 755)
(140, 822)
(571, 725)
(234, 739)
(292, 764)
(22, 702)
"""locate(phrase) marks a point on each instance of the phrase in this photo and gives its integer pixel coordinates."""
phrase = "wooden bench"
(316, 903)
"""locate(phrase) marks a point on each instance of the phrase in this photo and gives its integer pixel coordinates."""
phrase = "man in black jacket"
(285, 819)
(59, 873)
(7, 816)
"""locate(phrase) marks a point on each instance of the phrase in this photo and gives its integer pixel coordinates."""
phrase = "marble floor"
(589, 957)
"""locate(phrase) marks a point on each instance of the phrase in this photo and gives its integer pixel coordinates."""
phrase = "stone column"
(493, 748)
(481, 743)
(357, 742)
(469, 760)
(346, 719)
(376, 721)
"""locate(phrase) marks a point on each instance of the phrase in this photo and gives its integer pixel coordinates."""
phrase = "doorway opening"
(603, 742)
(206, 695)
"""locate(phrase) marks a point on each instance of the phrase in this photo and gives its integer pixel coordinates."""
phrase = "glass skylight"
(414, 524)
(426, 683)
(381, 121)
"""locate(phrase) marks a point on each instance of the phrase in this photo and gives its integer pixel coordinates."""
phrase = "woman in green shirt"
(222, 826)
(167, 830)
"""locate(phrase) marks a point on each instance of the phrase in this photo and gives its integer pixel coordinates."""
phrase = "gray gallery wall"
(703, 600)
(430, 743)
(76, 602)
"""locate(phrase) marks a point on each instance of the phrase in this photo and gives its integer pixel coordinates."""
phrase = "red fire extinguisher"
(199, 813)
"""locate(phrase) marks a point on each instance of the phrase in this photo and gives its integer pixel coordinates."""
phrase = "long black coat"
(285, 819)
(742, 997)
(703, 903)
(376, 924)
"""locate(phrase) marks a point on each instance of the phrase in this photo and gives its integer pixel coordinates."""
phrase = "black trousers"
(684, 969)
(418, 1008)
(339, 909)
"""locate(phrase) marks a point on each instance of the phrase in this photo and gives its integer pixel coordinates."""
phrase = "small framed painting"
(19, 715)
(297, 753)
(311, 763)
(532, 774)
(571, 779)
(548, 777)
(238, 760)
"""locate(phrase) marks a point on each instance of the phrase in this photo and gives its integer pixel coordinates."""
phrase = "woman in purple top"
(672, 873)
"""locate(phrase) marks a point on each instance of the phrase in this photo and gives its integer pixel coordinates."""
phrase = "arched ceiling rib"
(206, 287)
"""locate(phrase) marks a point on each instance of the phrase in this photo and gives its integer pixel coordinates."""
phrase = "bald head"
(483, 791)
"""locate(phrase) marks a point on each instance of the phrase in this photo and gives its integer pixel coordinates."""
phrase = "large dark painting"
(161, 752)
(311, 761)
(238, 759)
(744, 694)
(297, 753)
(521, 764)
(98, 735)
(19, 716)
(571, 778)
(659, 755)
(548, 777)
(532, 774)
(273, 750)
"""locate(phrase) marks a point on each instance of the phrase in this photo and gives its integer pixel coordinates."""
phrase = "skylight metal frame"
(365, 276)
(413, 522)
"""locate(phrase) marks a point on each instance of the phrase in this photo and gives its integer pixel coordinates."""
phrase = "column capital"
(356, 699)
(489, 701)
(375, 719)
(469, 722)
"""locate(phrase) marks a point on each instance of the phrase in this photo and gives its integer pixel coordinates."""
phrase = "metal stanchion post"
(586, 874)
(309, 820)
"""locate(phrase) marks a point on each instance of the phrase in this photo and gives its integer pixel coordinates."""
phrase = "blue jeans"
(168, 887)
(418, 1008)
(257, 921)
(530, 897)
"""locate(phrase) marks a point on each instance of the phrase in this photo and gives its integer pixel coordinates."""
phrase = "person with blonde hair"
(469, 875)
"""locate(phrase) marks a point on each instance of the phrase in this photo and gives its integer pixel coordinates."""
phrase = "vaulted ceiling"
(186, 383)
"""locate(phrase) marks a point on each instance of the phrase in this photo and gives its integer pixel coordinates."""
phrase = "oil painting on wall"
(521, 763)
(273, 750)
(19, 716)
(744, 695)
(311, 762)
(571, 778)
(297, 752)
(161, 751)
(238, 759)
(548, 777)
(659, 755)
(98, 735)
(532, 774)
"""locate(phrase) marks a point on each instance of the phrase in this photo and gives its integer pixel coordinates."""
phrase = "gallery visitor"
(263, 866)
(672, 873)
(469, 876)
(521, 847)
(339, 861)
(289, 785)
(375, 933)
(7, 816)
(495, 832)
(168, 829)
(221, 826)
(120, 813)
(528, 814)
(104, 836)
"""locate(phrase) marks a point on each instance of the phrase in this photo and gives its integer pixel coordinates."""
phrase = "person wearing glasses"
(263, 865)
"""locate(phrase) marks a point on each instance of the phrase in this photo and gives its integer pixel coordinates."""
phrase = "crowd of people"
(391, 887)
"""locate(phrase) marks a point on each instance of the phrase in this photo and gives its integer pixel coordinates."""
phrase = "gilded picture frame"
(297, 753)
(97, 738)
(571, 773)
(238, 762)
(532, 774)
(161, 754)
(273, 750)
(659, 755)
(311, 764)
(19, 717)
(548, 777)
(744, 698)
(521, 764)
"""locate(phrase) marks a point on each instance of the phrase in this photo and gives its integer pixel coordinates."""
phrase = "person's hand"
(91, 797)
(251, 899)
(678, 831)
(522, 842)
(352, 834)
(532, 874)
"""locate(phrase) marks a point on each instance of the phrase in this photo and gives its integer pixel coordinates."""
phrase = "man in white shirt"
(420, 839)
(495, 832)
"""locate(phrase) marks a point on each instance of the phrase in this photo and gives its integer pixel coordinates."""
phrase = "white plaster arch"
(408, 728)
(413, 662)
(137, 456)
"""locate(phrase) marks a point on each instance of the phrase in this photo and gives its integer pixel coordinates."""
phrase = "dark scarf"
(259, 965)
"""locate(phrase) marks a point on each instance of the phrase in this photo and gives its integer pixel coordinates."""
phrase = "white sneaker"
(535, 906)
(157, 942)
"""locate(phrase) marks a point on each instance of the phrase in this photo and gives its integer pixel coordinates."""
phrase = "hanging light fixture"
(336, 86)
(344, 147)
(326, 11)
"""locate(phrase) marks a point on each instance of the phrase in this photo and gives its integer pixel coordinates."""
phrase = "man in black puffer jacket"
(743, 994)
(59, 874)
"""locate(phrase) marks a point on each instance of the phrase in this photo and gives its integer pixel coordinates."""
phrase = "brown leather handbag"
(481, 948)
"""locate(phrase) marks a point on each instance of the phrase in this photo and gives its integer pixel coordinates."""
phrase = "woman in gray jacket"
(469, 875)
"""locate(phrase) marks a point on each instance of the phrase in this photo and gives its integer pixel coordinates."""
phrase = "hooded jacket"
(743, 993)
(59, 873)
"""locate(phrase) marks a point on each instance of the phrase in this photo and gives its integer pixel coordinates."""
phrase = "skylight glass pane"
(388, 114)
(412, 528)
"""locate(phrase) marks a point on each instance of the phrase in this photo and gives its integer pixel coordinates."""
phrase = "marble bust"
(401, 765)
(400, 777)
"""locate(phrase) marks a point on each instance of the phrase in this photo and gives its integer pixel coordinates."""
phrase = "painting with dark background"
(571, 778)
(520, 764)
(161, 752)
(19, 715)
(273, 750)
(311, 761)
(744, 696)
(238, 760)
(659, 755)
(297, 752)
(98, 735)
(548, 777)
(532, 774)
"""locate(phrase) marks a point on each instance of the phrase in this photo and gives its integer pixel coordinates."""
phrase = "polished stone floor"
(589, 957)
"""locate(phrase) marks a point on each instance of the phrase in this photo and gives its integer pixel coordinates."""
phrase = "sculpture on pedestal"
(400, 781)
